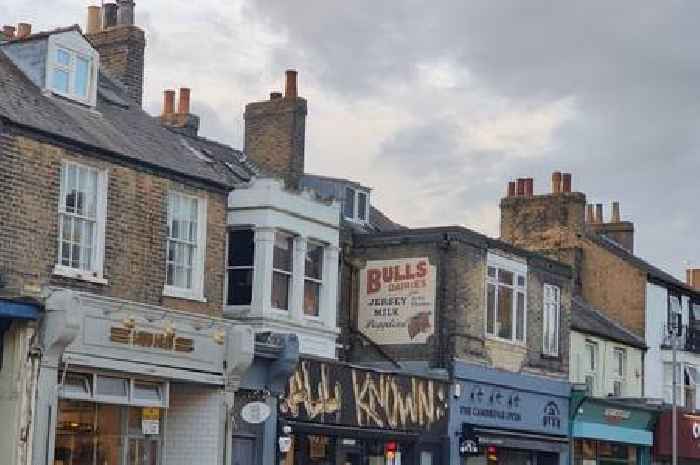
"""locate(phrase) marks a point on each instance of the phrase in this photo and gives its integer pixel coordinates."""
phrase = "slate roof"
(587, 319)
(116, 126)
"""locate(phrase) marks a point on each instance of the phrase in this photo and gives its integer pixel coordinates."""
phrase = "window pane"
(490, 308)
(505, 277)
(147, 391)
(280, 291)
(521, 280)
(311, 298)
(110, 386)
(62, 57)
(314, 261)
(241, 247)
(492, 272)
(240, 287)
(77, 384)
(60, 80)
(282, 257)
(109, 434)
(75, 432)
(520, 317)
(349, 203)
(504, 317)
(362, 205)
(82, 72)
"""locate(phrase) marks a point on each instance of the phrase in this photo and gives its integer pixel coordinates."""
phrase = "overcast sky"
(437, 104)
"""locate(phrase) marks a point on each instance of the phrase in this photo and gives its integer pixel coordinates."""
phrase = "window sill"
(177, 293)
(507, 341)
(66, 272)
(551, 357)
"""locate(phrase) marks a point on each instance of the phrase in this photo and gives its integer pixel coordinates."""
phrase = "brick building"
(608, 275)
(114, 235)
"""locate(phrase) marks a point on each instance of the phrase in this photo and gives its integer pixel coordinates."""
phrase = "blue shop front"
(504, 418)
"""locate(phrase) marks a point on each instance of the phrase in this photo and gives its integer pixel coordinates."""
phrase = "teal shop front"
(611, 432)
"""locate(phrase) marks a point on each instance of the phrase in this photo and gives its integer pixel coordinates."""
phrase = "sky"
(437, 104)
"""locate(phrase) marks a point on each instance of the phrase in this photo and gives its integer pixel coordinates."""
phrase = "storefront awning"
(639, 437)
(10, 310)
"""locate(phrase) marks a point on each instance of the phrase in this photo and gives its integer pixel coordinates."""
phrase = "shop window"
(282, 270)
(240, 267)
(313, 279)
(550, 319)
(505, 301)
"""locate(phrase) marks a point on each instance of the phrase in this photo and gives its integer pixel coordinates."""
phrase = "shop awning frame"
(586, 430)
(11, 310)
(352, 431)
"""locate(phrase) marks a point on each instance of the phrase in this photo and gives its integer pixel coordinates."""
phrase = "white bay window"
(506, 305)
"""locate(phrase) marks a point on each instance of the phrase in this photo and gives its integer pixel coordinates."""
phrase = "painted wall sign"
(255, 412)
(496, 406)
(688, 436)
(615, 416)
(397, 301)
(339, 394)
(141, 338)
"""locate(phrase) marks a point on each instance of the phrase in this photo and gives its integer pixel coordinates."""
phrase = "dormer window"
(72, 69)
(356, 205)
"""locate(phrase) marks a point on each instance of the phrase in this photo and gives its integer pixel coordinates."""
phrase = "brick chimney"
(693, 278)
(622, 232)
(275, 133)
(182, 120)
(530, 220)
(120, 44)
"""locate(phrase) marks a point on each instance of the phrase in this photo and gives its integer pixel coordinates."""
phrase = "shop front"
(688, 427)
(128, 384)
(611, 432)
(504, 418)
(339, 414)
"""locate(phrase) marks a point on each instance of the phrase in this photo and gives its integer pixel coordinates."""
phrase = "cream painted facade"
(595, 360)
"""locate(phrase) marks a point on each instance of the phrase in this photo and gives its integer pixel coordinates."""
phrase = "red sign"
(688, 436)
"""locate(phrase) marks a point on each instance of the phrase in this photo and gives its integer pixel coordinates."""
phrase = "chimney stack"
(599, 213)
(693, 278)
(511, 189)
(566, 183)
(121, 48)
(24, 30)
(290, 89)
(94, 20)
(556, 182)
(8, 32)
(168, 102)
(275, 132)
(590, 218)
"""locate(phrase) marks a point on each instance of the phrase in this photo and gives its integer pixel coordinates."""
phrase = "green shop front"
(611, 432)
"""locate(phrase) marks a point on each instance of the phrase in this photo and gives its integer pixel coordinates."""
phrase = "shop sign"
(496, 406)
(141, 338)
(255, 412)
(150, 420)
(615, 416)
(335, 393)
(397, 301)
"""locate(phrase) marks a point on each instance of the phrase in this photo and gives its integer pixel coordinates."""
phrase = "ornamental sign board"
(255, 412)
(397, 301)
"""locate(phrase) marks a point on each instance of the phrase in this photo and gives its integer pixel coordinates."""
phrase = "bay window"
(186, 245)
(282, 260)
(240, 267)
(550, 319)
(313, 279)
(505, 301)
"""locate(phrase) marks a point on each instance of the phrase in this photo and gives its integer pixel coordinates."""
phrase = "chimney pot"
(8, 32)
(24, 30)
(169, 102)
(529, 187)
(566, 182)
(556, 182)
(109, 15)
(615, 212)
(125, 12)
(511, 189)
(590, 218)
(290, 89)
(94, 20)
(183, 106)
(275, 95)
(599, 213)
(693, 278)
(520, 187)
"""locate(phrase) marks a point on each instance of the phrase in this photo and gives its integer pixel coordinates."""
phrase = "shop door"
(143, 451)
(243, 451)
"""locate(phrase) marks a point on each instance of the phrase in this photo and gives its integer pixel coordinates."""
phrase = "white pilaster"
(329, 299)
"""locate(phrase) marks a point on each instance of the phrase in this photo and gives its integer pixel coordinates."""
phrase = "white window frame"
(76, 46)
(290, 286)
(197, 290)
(619, 356)
(356, 204)
(320, 282)
(518, 269)
(551, 310)
(96, 273)
(128, 400)
(587, 370)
